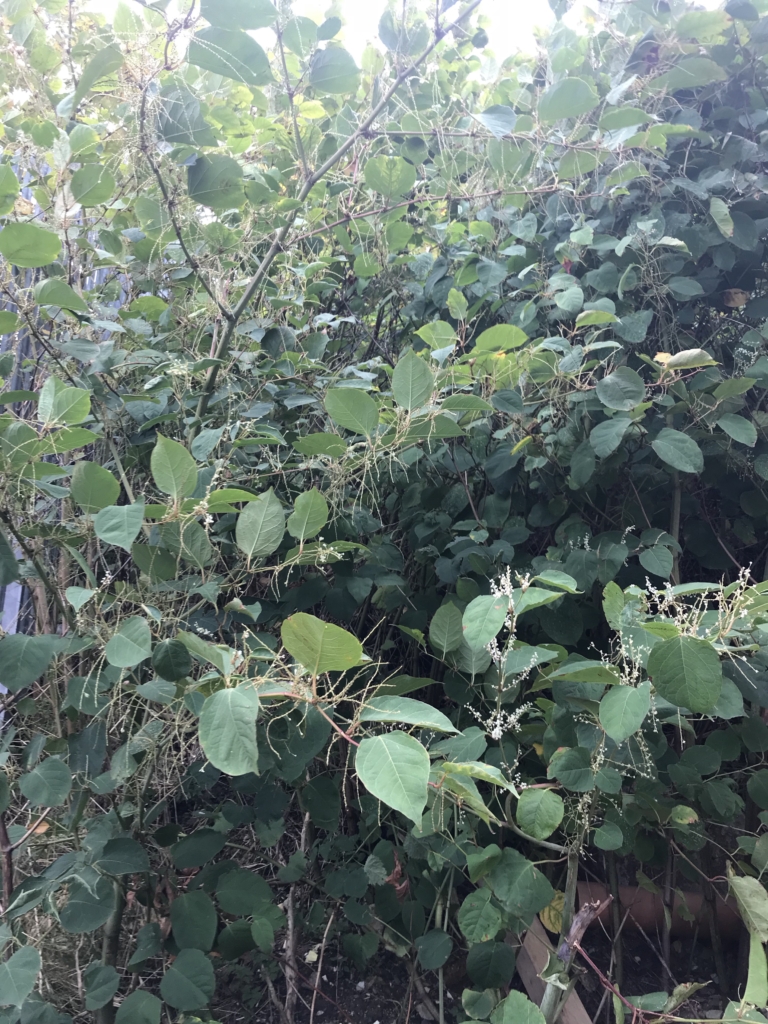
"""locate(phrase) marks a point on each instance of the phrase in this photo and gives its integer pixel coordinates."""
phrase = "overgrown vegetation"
(384, 451)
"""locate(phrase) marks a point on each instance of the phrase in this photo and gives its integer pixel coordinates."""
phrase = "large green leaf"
(517, 1008)
(93, 185)
(390, 175)
(446, 630)
(193, 920)
(491, 964)
(231, 53)
(103, 63)
(309, 516)
(216, 181)
(739, 428)
(246, 14)
(407, 711)
(55, 292)
(48, 784)
(353, 409)
(173, 468)
(29, 246)
(228, 730)
(687, 672)
(678, 450)
(18, 976)
(131, 644)
(483, 619)
(119, 524)
(189, 982)
(412, 382)
(60, 404)
(752, 899)
(623, 389)
(88, 906)
(539, 812)
(25, 658)
(260, 526)
(570, 97)
(139, 1007)
(9, 566)
(333, 70)
(623, 710)
(479, 918)
(395, 769)
(101, 983)
(320, 646)
(93, 487)
(519, 886)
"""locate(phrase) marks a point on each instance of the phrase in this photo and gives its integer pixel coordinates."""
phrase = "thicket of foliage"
(381, 448)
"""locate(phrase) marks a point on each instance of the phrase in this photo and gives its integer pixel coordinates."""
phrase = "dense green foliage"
(382, 447)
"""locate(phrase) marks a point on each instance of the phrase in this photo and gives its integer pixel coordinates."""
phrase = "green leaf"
(189, 982)
(309, 516)
(395, 769)
(482, 620)
(246, 14)
(570, 97)
(491, 964)
(690, 73)
(573, 767)
(25, 658)
(231, 53)
(687, 672)
(353, 409)
(752, 900)
(520, 887)
(539, 812)
(623, 389)
(478, 918)
(502, 337)
(498, 119)
(25, 245)
(93, 185)
(626, 172)
(333, 71)
(139, 1007)
(93, 487)
(173, 468)
(88, 907)
(446, 630)
(195, 850)
(434, 948)
(119, 524)
(412, 382)
(228, 730)
(689, 359)
(9, 322)
(217, 181)
(685, 288)
(739, 428)
(658, 560)
(101, 983)
(60, 404)
(104, 62)
(48, 784)
(9, 566)
(123, 856)
(193, 921)
(55, 292)
(131, 644)
(171, 660)
(18, 976)
(260, 526)
(321, 444)
(606, 437)
(517, 1009)
(320, 646)
(678, 450)
(407, 711)
(609, 836)
(623, 710)
(756, 991)
(718, 211)
(390, 175)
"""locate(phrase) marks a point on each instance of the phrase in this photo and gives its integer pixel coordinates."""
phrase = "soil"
(383, 994)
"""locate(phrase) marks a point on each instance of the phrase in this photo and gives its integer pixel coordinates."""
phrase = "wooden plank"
(532, 958)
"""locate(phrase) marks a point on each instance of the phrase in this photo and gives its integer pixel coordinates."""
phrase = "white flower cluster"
(502, 721)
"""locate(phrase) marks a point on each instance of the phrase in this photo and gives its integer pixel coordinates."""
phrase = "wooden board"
(532, 958)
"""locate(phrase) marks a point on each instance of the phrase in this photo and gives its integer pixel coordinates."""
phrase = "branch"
(290, 94)
(170, 204)
(49, 585)
(277, 244)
